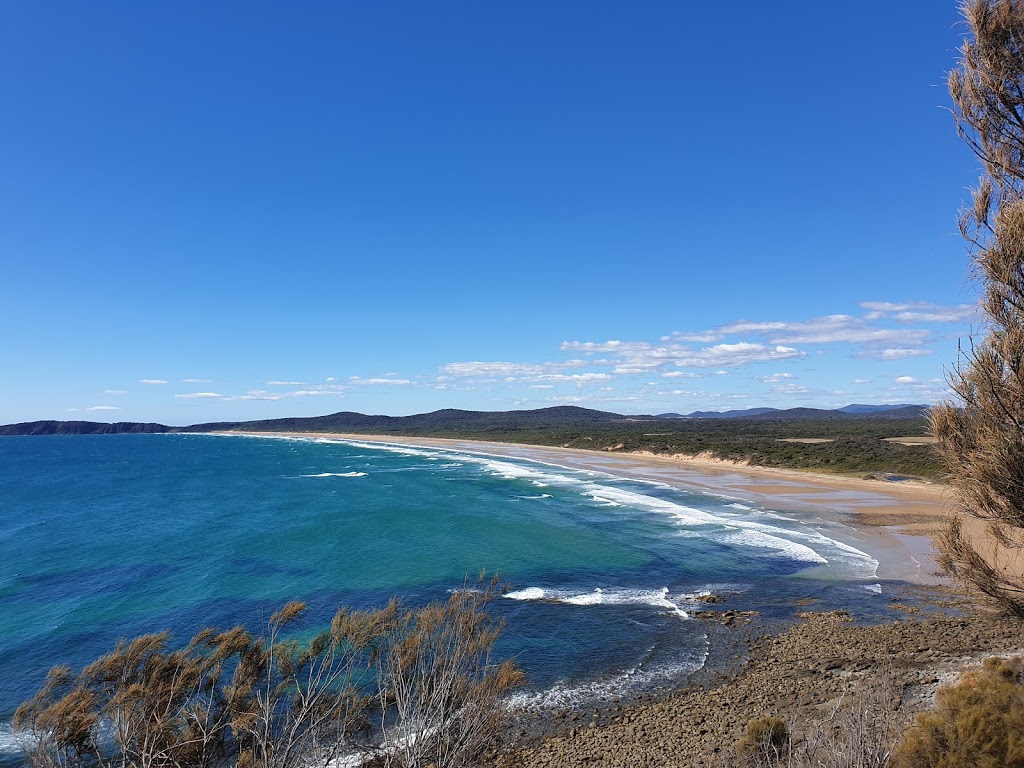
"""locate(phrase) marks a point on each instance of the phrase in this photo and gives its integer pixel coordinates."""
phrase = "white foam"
(801, 544)
(338, 474)
(530, 593)
(10, 744)
(565, 695)
(655, 598)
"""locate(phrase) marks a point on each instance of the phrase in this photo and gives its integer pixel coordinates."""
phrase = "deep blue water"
(103, 537)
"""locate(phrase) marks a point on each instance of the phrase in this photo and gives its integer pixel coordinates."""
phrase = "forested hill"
(801, 438)
(446, 420)
(459, 421)
(82, 428)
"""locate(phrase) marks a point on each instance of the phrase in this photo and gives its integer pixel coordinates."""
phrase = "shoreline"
(895, 521)
(820, 663)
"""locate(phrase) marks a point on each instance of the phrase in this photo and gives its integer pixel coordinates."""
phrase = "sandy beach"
(894, 521)
(823, 661)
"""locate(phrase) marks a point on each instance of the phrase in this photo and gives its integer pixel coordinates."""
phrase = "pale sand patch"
(921, 440)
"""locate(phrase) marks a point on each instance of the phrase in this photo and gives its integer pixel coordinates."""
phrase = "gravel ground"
(799, 675)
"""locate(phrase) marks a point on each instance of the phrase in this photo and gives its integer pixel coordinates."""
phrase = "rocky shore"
(801, 675)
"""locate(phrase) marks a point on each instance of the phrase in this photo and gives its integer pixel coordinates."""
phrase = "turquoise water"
(104, 537)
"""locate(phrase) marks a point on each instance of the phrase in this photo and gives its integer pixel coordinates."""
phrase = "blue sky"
(248, 210)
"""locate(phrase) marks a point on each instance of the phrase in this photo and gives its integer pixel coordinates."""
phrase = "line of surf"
(724, 527)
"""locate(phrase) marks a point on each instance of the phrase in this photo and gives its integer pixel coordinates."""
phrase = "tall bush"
(981, 437)
(409, 687)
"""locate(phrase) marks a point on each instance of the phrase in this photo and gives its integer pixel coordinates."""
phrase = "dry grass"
(978, 723)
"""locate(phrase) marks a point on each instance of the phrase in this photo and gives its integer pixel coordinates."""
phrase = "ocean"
(112, 536)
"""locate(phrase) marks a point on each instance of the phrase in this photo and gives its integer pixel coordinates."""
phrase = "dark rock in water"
(710, 599)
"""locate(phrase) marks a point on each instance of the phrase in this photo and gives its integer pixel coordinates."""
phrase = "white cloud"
(836, 329)
(358, 380)
(258, 394)
(905, 380)
(478, 369)
(201, 396)
(902, 353)
(278, 383)
(522, 372)
(883, 306)
(103, 408)
(641, 357)
(542, 386)
(743, 353)
(706, 337)
(920, 312)
(681, 375)
(774, 378)
(115, 391)
(862, 381)
(575, 377)
(319, 390)
(791, 389)
(743, 326)
(152, 381)
(197, 381)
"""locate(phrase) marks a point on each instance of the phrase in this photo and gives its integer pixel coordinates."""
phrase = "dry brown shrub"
(981, 437)
(765, 742)
(235, 700)
(978, 723)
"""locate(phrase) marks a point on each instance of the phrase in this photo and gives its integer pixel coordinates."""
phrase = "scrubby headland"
(836, 441)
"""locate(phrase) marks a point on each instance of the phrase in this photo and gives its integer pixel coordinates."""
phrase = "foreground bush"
(978, 723)
(765, 742)
(855, 733)
(410, 688)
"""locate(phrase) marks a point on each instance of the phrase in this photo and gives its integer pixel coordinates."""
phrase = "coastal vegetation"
(976, 723)
(981, 437)
(850, 443)
(400, 687)
(419, 687)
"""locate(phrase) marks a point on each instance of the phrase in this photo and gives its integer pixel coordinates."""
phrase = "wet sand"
(823, 662)
(892, 521)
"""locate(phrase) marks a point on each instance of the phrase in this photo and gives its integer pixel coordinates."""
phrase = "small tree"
(977, 723)
(440, 687)
(982, 440)
(235, 700)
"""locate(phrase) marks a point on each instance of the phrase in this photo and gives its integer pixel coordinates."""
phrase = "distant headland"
(856, 439)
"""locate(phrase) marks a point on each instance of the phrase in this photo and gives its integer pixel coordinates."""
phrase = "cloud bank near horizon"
(819, 362)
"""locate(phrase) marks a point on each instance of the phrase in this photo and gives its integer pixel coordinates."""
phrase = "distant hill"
(446, 419)
(82, 428)
(856, 441)
(735, 414)
(860, 408)
(846, 412)
(565, 417)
